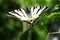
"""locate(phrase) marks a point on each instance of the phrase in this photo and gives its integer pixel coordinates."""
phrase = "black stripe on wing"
(21, 11)
(41, 7)
(46, 9)
(17, 13)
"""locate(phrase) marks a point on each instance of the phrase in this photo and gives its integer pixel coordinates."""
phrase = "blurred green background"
(12, 28)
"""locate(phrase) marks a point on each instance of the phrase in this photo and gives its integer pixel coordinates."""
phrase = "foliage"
(12, 28)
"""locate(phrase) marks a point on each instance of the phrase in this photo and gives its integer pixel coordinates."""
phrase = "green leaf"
(30, 3)
(10, 26)
(1, 1)
(51, 2)
(56, 7)
(1, 29)
(53, 15)
(42, 33)
(18, 24)
(24, 35)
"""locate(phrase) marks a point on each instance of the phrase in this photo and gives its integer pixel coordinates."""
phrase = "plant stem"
(52, 33)
(30, 33)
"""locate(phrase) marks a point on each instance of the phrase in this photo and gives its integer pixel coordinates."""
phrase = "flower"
(34, 13)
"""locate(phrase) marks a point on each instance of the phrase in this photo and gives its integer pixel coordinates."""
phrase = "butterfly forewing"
(29, 13)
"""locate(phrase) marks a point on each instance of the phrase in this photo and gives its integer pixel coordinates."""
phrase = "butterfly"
(28, 14)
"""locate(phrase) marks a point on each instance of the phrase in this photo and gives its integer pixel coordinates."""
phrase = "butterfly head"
(31, 20)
